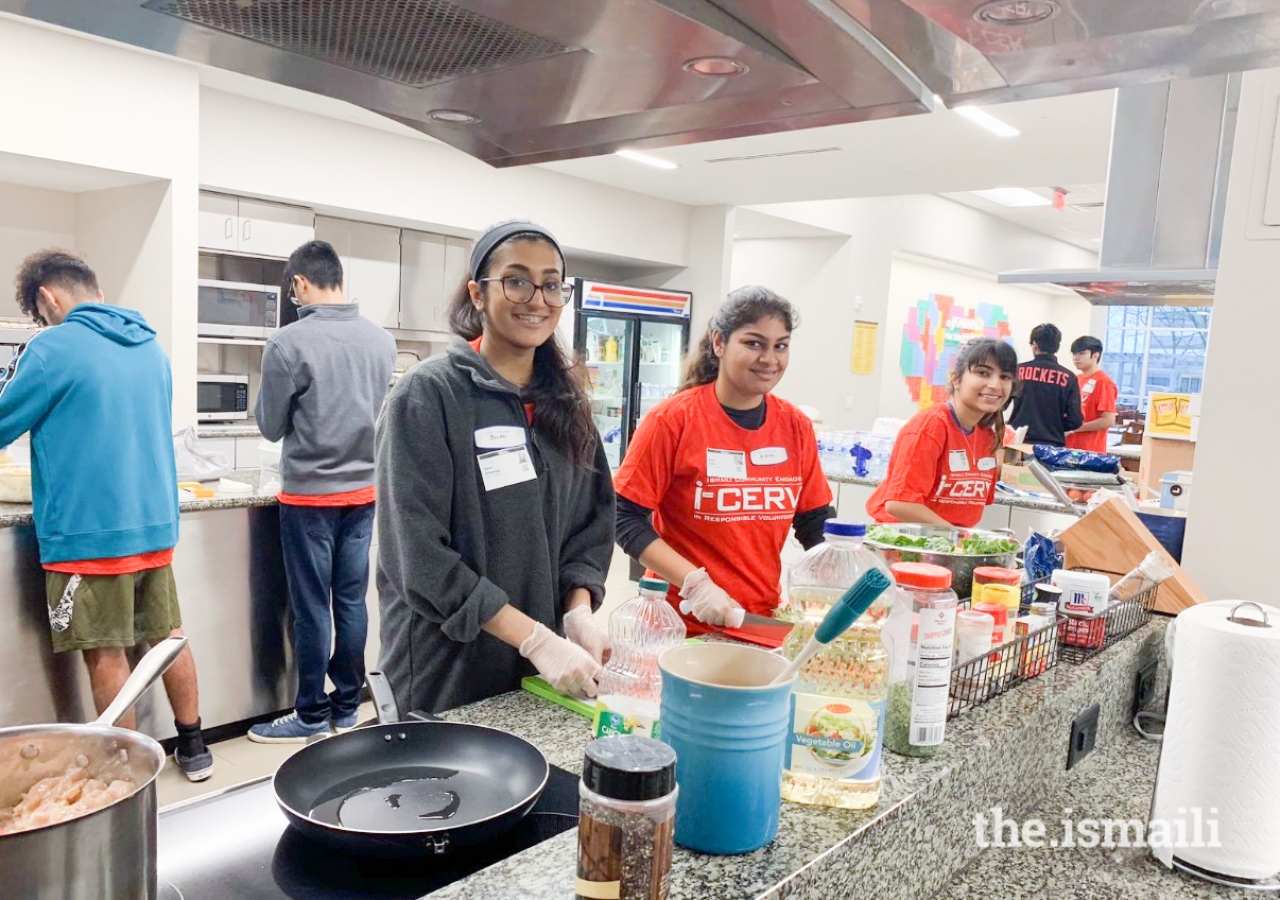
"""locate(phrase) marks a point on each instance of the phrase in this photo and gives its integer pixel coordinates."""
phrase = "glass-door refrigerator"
(633, 342)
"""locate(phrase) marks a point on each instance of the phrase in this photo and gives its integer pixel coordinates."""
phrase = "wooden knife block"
(1113, 539)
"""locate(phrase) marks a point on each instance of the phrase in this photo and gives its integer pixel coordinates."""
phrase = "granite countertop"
(12, 514)
(1042, 504)
(908, 846)
(1114, 782)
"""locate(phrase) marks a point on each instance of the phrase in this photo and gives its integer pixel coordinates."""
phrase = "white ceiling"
(1064, 141)
(1082, 227)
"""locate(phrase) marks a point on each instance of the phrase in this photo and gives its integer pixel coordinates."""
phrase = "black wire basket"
(1083, 637)
(1003, 668)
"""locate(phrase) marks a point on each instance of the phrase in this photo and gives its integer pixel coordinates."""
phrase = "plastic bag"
(1067, 458)
(1040, 556)
(196, 463)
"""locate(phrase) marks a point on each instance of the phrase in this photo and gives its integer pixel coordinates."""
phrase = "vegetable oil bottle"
(838, 705)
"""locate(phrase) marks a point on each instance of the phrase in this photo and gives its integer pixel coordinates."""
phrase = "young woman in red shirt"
(725, 470)
(943, 468)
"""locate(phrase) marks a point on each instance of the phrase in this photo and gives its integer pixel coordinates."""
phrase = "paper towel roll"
(1220, 758)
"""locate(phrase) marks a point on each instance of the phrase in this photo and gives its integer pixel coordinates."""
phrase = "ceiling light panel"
(1013, 197)
(646, 160)
(986, 120)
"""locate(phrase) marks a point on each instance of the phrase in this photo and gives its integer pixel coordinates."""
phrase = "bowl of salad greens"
(960, 550)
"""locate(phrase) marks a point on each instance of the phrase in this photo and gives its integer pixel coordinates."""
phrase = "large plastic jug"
(630, 685)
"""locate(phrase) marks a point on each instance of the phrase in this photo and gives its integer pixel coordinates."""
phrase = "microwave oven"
(221, 398)
(231, 309)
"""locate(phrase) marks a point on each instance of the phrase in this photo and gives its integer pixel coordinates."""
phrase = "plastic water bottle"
(834, 744)
(630, 685)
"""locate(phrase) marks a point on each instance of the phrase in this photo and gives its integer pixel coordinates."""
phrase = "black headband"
(488, 241)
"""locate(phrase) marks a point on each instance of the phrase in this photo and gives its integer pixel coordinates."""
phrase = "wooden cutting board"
(1113, 539)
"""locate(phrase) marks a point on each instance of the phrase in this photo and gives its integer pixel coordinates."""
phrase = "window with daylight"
(1155, 348)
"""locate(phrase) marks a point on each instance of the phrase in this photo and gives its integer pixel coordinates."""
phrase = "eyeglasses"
(519, 289)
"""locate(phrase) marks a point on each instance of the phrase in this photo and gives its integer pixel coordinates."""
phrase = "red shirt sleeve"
(646, 471)
(913, 464)
(1105, 394)
(815, 492)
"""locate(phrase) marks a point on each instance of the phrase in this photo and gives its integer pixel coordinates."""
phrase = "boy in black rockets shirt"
(1049, 404)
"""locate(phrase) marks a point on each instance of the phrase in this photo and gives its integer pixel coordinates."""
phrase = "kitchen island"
(1010, 753)
(231, 588)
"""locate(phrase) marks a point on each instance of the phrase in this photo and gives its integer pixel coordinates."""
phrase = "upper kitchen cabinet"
(370, 257)
(424, 292)
(238, 225)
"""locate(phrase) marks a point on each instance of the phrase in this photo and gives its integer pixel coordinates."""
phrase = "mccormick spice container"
(985, 575)
(1007, 596)
(1084, 600)
(626, 819)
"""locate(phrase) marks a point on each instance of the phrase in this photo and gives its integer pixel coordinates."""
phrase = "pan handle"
(384, 700)
(157, 661)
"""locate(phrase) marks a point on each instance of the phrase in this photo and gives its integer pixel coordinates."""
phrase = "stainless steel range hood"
(1166, 193)
(524, 81)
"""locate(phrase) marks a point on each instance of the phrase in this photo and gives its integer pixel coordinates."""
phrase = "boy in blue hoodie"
(107, 530)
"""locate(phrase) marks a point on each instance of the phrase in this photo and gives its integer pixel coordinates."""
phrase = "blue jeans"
(326, 555)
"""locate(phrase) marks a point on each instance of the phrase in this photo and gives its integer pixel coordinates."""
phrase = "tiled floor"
(239, 760)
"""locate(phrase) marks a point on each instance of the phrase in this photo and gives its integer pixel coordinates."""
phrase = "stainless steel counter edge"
(1002, 499)
(12, 514)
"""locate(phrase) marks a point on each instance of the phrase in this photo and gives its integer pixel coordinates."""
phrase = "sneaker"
(345, 723)
(196, 767)
(191, 754)
(288, 729)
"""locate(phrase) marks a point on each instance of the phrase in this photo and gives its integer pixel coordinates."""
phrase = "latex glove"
(707, 602)
(581, 627)
(566, 666)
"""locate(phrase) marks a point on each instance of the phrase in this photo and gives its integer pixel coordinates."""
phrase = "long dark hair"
(559, 389)
(739, 309)
(988, 351)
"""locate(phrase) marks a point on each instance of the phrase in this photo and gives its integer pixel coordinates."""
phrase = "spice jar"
(973, 643)
(1001, 634)
(916, 718)
(1007, 596)
(626, 819)
(985, 575)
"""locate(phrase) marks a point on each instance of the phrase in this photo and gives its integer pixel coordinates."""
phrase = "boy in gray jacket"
(323, 381)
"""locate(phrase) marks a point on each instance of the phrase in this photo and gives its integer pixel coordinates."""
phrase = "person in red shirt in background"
(1097, 396)
(726, 469)
(943, 468)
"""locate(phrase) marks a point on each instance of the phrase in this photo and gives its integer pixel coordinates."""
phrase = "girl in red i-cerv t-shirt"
(943, 468)
(726, 469)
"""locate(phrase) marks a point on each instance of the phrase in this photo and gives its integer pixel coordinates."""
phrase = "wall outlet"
(1144, 686)
(848, 403)
(1084, 734)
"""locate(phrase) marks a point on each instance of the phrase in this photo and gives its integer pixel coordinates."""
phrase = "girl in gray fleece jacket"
(495, 505)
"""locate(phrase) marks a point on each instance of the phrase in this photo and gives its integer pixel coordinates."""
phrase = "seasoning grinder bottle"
(626, 819)
(916, 718)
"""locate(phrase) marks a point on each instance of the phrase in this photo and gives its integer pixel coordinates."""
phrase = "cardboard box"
(1159, 456)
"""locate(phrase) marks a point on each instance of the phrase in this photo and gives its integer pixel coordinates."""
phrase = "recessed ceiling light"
(646, 159)
(1015, 12)
(721, 66)
(986, 120)
(1013, 197)
(454, 116)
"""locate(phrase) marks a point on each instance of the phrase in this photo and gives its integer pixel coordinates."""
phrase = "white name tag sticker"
(769, 456)
(958, 461)
(986, 464)
(726, 463)
(499, 437)
(1088, 387)
(503, 468)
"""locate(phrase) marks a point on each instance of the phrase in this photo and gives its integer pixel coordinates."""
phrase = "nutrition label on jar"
(933, 677)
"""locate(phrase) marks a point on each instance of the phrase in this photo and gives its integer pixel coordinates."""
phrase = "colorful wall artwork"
(934, 331)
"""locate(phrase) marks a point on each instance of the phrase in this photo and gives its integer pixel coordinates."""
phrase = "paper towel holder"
(1254, 623)
(1269, 885)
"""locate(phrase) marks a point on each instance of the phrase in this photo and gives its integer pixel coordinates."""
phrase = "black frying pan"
(410, 788)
